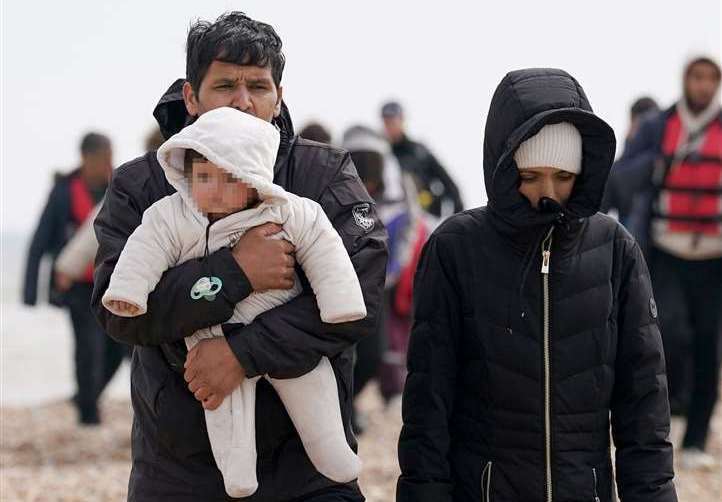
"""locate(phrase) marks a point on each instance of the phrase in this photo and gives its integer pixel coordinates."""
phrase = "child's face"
(216, 191)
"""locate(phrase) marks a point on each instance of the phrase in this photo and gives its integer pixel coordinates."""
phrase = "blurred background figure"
(383, 356)
(315, 132)
(438, 194)
(619, 195)
(70, 203)
(642, 108)
(672, 168)
(154, 139)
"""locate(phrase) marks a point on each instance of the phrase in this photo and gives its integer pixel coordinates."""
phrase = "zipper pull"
(546, 258)
(547, 252)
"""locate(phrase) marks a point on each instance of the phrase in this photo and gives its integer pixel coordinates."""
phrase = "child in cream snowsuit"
(174, 230)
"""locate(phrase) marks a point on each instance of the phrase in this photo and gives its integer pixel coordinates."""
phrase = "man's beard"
(696, 107)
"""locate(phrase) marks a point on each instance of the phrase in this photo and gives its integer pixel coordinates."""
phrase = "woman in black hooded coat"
(535, 330)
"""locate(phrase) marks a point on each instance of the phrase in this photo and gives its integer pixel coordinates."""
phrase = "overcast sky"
(72, 66)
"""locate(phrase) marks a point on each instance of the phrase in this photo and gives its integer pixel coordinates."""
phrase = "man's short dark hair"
(643, 106)
(189, 157)
(370, 168)
(93, 142)
(315, 132)
(703, 60)
(232, 38)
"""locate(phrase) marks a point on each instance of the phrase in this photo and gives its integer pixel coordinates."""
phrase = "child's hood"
(235, 141)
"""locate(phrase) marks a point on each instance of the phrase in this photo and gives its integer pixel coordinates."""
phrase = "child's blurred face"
(216, 191)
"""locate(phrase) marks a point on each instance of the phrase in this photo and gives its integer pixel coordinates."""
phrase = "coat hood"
(523, 103)
(237, 142)
(363, 139)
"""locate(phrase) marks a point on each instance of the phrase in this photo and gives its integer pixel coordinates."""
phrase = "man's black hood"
(523, 103)
(172, 116)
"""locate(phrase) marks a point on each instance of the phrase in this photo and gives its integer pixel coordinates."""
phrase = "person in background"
(316, 132)
(438, 194)
(675, 168)
(642, 108)
(81, 249)
(382, 355)
(618, 198)
(154, 139)
(69, 204)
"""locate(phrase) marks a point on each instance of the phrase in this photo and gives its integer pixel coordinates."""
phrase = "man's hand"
(212, 371)
(267, 262)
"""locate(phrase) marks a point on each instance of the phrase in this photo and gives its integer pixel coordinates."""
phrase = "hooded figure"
(535, 324)
(174, 230)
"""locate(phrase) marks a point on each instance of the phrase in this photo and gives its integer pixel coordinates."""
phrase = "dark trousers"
(689, 297)
(97, 357)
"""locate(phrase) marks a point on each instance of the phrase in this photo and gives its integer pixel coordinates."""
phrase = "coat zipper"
(596, 494)
(208, 231)
(486, 487)
(546, 249)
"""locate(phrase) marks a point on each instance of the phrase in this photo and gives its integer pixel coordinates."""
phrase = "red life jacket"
(81, 205)
(693, 186)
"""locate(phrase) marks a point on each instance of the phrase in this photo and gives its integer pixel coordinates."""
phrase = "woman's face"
(538, 182)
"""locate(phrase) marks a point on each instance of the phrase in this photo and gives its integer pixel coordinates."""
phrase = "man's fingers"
(212, 402)
(189, 374)
(194, 385)
(287, 247)
(202, 393)
(269, 229)
(285, 283)
(189, 357)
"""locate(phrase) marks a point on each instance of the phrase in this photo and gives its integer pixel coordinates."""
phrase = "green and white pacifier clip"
(206, 287)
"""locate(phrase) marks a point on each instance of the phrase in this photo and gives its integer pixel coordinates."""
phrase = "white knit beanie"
(555, 145)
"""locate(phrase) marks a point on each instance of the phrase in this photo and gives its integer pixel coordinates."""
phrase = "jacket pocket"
(181, 424)
(486, 482)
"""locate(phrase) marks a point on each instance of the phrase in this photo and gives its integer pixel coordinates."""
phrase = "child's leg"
(232, 433)
(312, 403)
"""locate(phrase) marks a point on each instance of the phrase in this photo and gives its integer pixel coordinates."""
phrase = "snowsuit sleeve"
(80, 250)
(428, 399)
(289, 341)
(152, 248)
(325, 262)
(639, 408)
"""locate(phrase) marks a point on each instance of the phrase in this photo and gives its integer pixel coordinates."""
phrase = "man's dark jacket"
(474, 408)
(172, 458)
(427, 171)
